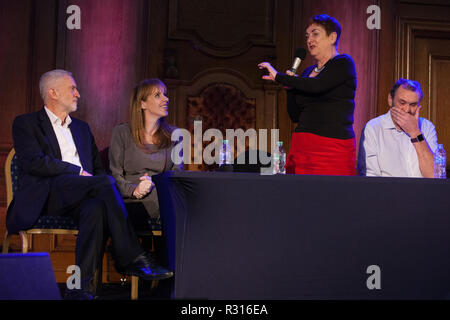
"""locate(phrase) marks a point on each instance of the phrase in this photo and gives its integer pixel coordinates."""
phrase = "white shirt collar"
(55, 120)
(386, 121)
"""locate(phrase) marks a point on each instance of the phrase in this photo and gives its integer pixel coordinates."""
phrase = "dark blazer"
(39, 160)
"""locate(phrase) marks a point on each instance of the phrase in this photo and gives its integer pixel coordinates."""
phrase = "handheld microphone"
(300, 54)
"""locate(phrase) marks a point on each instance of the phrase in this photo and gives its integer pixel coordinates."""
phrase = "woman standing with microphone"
(322, 101)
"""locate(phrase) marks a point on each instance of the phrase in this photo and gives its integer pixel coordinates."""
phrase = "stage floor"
(117, 291)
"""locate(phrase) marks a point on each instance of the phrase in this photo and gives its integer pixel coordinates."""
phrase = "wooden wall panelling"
(16, 25)
(27, 48)
(410, 30)
(192, 49)
(289, 33)
(221, 42)
(414, 44)
(436, 10)
(154, 42)
(431, 67)
(265, 97)
(226, 29)
(387, 54)
(396, 40)
(423, 54)
(431, 63)
(439, 96)
(44, 46)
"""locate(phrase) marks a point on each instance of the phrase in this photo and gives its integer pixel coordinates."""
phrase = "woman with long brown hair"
(142, 148)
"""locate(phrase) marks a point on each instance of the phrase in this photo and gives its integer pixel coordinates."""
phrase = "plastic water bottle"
(440, 162)
(282, 154)
(225, 154)
(279, 159)
(276, 162)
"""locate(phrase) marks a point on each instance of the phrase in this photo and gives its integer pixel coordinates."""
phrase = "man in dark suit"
(60, 173)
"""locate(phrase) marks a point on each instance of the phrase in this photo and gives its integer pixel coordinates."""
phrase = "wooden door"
(432, 67)
(425, 57)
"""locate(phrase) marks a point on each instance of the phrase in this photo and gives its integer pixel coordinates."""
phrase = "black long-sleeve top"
(323, 105)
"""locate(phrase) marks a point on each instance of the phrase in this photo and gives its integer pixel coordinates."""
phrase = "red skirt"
(313, 154)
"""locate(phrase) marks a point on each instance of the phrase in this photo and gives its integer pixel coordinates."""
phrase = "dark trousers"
(99, 209)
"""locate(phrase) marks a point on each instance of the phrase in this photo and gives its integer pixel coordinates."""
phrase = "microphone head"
(300, 53)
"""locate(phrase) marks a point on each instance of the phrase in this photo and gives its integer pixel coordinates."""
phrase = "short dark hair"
(330, 25)
(411, 85)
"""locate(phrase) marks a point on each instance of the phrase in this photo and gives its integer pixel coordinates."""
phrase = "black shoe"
(145, 267)
(78, 294)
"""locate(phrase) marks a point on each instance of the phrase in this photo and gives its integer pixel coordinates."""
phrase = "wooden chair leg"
(134, 287)
(5, 247)
(24, 239)
(95, 281)
(155, 284)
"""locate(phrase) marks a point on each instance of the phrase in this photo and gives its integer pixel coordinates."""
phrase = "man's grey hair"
(49, 79)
